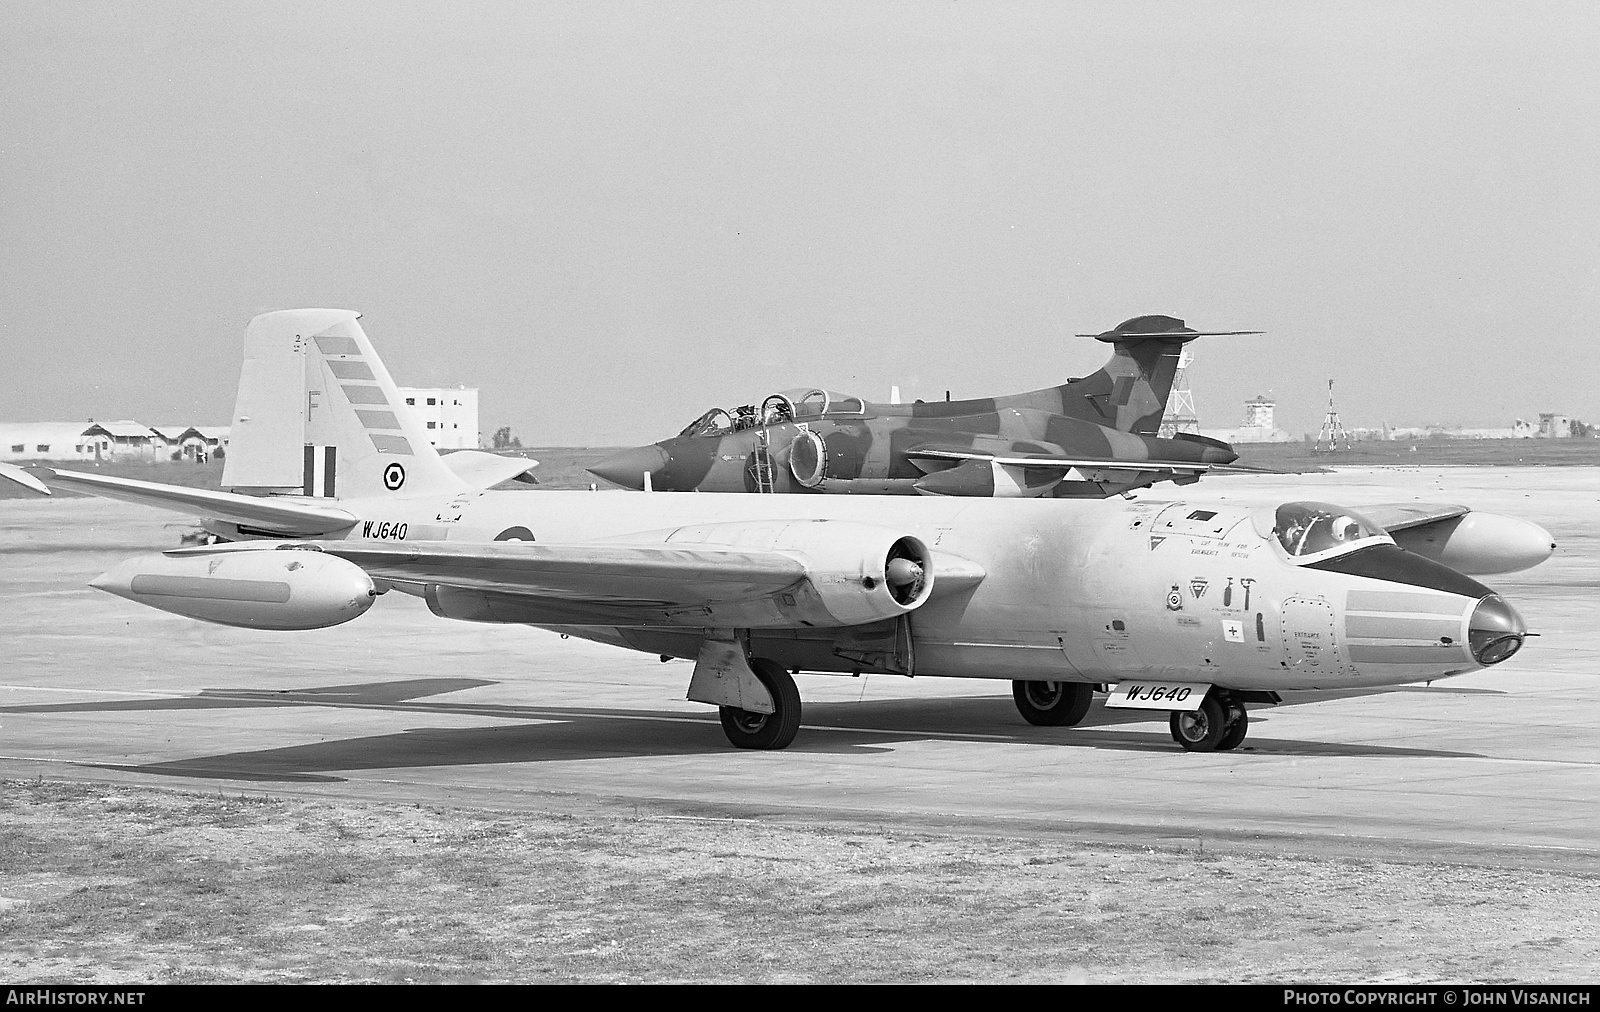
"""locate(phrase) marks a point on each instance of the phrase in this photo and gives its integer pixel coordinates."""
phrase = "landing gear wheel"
(1052, 704)
(1238, 720)
(1199, 730)
(748, 729)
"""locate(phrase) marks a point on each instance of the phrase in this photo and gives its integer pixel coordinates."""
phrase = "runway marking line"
(94, 692)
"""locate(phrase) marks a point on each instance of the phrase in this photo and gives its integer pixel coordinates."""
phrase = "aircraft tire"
(747, 729)
(1199, 730)
(1238, 721)
(1052, 704)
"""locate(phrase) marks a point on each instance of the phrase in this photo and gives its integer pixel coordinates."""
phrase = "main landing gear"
(749, 729)
(1052, 704)
(1219, 725)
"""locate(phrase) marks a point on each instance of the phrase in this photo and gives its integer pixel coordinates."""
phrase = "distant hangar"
(450, 414)
(119, 440)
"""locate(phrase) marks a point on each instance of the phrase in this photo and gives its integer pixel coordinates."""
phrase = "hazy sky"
(611, 216)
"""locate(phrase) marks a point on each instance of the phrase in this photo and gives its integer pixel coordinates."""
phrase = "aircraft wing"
(274, 514)
(650, 575)
(1399, 516)
(1066, 463)
(607, 583)
(963, 471)
(22, 477)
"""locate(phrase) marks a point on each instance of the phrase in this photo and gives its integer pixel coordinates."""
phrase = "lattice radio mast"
(1332, 437)
(1180, 415)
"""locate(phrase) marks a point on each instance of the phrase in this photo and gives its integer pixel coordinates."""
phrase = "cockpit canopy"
(797, 405)
(1311, 531)
(815, 403)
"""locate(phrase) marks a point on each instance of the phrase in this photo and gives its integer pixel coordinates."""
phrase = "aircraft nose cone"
(627, 467)
(1495, 631)
(1217, 455)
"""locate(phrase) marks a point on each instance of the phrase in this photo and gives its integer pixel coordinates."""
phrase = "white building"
(1553, 425)
(45, 441)
(108, 440)
(1258, 425)
(450, 414)
(124, 438)
(169, 438)
(194, 443)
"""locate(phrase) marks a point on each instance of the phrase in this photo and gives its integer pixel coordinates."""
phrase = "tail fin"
(1129, 392)
(319, 415)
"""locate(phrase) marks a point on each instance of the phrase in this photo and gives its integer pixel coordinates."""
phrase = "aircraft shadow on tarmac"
(557, 734)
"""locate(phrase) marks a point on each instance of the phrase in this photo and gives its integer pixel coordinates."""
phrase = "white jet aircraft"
(1193, 608)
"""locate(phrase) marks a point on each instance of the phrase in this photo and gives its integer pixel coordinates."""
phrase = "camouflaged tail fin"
(1129, 393)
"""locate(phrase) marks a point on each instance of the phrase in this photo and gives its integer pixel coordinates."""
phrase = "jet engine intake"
(856, 573)
(808, 458)
(265, 589)
(870, 576)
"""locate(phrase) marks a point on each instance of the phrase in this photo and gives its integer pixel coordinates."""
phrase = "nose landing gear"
(1219, 725)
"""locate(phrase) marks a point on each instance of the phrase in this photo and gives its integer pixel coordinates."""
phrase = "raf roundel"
(393, 477)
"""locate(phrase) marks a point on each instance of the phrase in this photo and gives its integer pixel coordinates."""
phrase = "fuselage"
(1085, 590)
(871, 451)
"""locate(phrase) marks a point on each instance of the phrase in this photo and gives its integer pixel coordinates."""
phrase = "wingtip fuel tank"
(1480, 544)
(251, 589)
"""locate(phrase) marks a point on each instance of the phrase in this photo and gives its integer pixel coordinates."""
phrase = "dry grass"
(102, 884)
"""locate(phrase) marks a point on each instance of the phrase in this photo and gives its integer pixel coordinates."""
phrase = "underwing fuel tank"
(990, 479)
(266, 589)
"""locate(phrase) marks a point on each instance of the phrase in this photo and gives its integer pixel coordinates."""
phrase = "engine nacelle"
(858, 572)
(254, 589)
(1478, 543)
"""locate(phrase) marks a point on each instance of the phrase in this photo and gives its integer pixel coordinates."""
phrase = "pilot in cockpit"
(1347, 528)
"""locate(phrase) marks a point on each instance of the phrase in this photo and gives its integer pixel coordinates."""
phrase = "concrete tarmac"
(1500, 766)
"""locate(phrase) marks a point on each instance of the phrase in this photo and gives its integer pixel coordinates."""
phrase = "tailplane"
(319, 415)
(1129, 392)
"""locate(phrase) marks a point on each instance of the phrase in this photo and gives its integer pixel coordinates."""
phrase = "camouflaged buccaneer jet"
(1090, 437)
(1187, 607)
